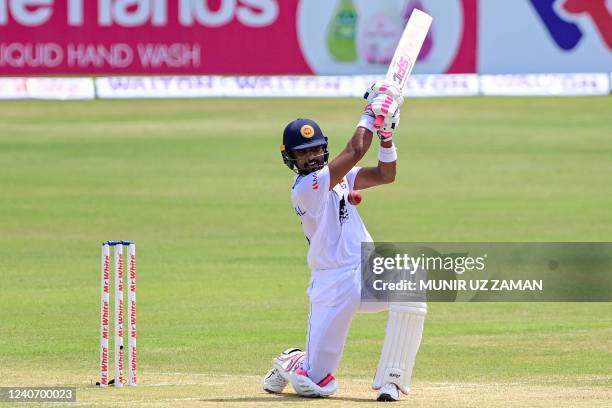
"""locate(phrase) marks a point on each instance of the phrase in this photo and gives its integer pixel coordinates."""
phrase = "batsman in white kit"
(335, 231)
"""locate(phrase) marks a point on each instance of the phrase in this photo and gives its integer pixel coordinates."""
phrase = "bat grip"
(379, 121)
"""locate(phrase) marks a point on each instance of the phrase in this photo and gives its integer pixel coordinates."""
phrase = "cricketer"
(334, 231)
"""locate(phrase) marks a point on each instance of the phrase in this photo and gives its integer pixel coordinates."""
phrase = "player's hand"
(383, 87)
(384, 107)
(390, 124)
(386, 112)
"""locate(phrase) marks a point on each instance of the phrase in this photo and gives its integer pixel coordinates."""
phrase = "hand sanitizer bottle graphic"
(341, 32)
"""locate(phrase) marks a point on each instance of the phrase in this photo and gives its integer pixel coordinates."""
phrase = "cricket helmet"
(303, 134)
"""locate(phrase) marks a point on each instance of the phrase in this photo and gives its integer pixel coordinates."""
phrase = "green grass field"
(199, 184)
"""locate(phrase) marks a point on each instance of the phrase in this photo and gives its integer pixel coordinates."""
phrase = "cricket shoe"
(277, 378)
(388, 392)
(305, 387)
(273, 382)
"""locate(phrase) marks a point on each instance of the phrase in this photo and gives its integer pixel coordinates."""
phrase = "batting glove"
(383, 87)
(385, 106)
(386, 110)
(385, 132)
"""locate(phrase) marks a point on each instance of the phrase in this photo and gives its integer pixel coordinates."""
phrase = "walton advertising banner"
(328, 37)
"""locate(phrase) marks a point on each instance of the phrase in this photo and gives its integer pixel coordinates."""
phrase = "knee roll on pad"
(402, 341)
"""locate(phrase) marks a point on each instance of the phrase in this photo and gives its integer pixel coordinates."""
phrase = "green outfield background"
(200, 186)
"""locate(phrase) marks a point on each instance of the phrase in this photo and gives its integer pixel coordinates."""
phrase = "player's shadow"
(282, 397)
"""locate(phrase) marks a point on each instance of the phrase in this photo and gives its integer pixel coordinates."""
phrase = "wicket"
(105, 318)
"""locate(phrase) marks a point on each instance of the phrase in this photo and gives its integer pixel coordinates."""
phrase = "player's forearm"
(359, 144)
(386, 143)
(354, 151)
(387, 169)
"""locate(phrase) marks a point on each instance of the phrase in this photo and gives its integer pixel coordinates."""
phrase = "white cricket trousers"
(335, 297)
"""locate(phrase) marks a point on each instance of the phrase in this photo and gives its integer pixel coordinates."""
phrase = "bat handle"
(379, 121)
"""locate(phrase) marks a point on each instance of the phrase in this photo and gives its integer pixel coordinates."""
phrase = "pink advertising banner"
(149, 36)
(228, 37)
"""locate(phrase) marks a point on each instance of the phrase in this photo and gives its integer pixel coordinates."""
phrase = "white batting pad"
(402, 341)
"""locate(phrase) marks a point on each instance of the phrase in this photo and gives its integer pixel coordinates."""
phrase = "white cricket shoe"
(273, 382)
(388, 392)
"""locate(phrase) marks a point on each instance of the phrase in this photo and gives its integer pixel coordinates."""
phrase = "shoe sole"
(385, 398)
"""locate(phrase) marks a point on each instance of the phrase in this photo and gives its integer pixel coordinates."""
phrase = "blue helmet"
(303, 134)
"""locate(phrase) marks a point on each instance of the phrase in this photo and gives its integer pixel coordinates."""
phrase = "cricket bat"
(407, 52)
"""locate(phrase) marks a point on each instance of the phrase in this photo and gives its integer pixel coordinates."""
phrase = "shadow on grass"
(284, 398)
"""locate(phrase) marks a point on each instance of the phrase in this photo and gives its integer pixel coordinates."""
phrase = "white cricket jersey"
(332, 226)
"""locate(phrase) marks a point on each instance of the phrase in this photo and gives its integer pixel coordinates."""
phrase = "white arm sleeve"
(351, 175)
(311, 190)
